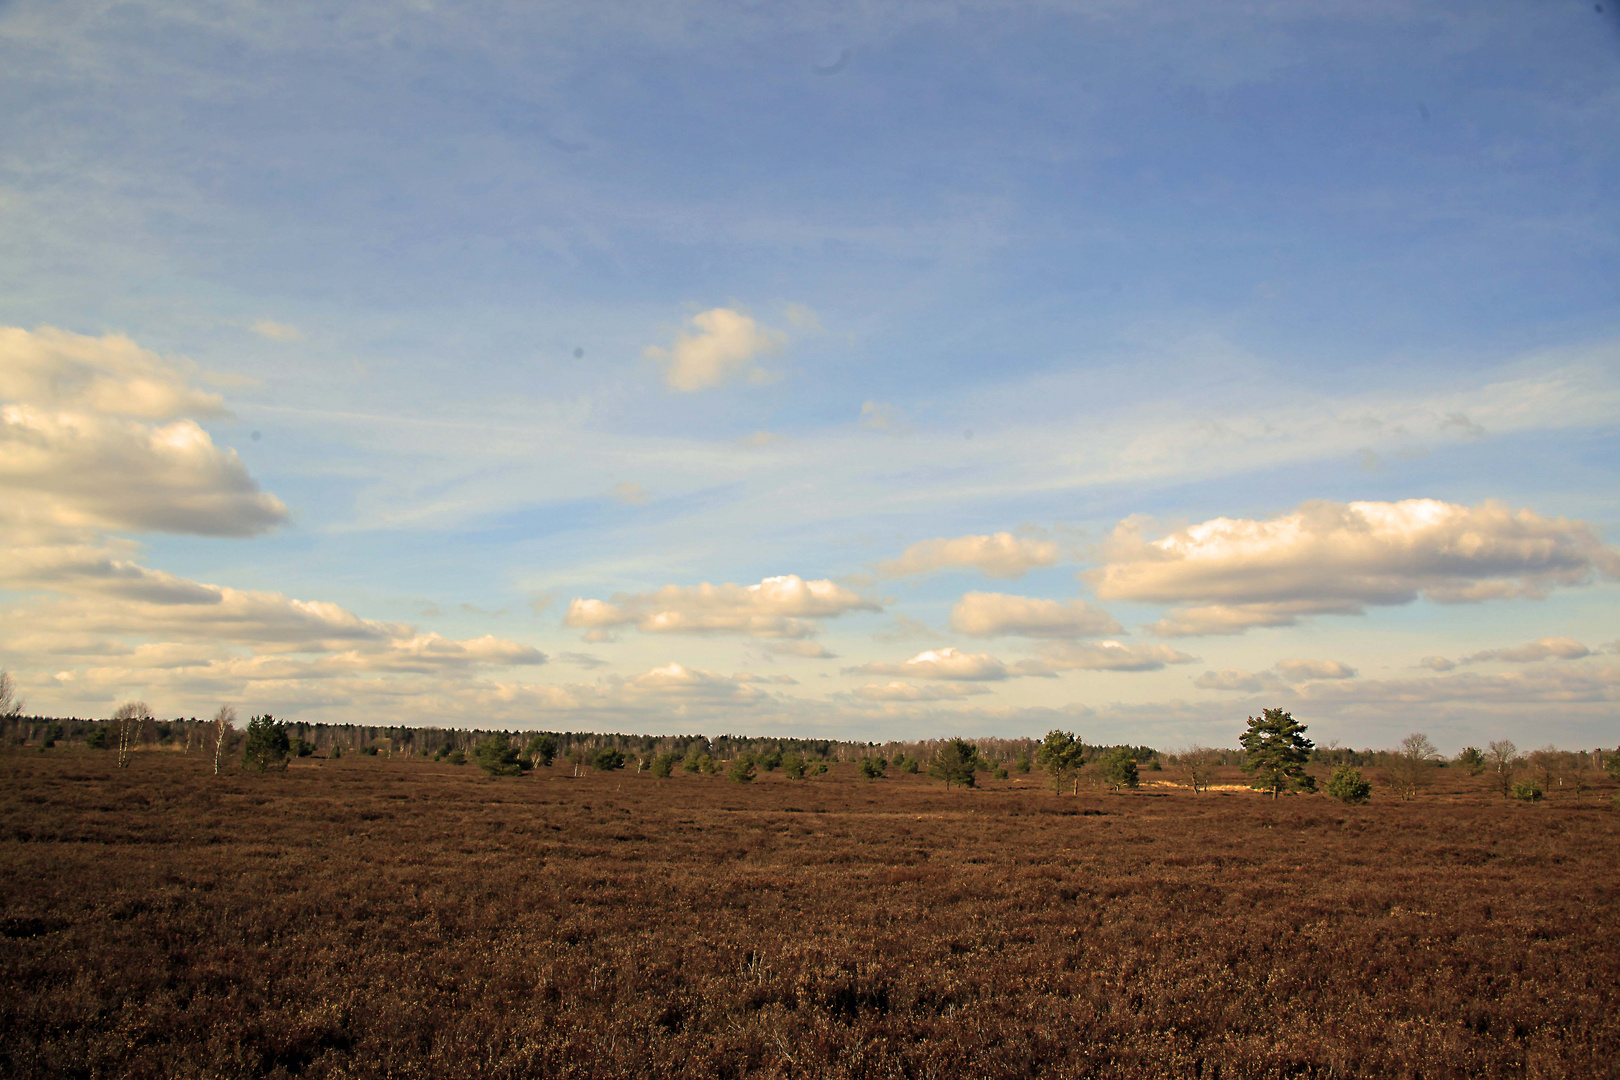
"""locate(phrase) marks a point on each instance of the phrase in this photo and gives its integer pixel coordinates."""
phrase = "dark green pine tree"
(1275, 750)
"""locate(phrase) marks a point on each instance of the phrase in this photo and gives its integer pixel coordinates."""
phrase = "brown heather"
(369, 917)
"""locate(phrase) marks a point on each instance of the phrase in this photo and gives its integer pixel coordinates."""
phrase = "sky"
(861, 370)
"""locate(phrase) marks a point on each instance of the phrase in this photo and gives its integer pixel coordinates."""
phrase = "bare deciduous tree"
(1199, 762)
(1502, 758)
(11, 706)
(1412, 767)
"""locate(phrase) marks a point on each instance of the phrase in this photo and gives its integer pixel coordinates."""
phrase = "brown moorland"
(371, 917)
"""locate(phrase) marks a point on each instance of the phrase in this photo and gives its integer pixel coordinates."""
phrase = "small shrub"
(607, 759)
(872, 767)
(741, 771)
(456, 757)
(97, 739)
(772, 761)
(1527, 791)
(337, 752)
(368, 751)
(663, 765)
(793, 766)
(1347, 786)
(1021, 765)
(1000, 772)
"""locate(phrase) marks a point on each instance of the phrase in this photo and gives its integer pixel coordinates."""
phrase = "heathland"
(375, 916)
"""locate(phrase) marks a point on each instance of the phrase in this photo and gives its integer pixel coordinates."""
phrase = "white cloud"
(904, 691)
(78, 450)
(53, 369)
(277, 331)
(809, 650)
(1548, 648)
(981, 614)
(1437, 663)
(946, 663)
(778, 607)
(1283, 673)
(1332, 557)
(723, 344)
(999, 555)
(1103, 656)
(1301, 670)
(1233, 679)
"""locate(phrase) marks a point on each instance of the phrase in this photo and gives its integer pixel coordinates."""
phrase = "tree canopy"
(954, 762)
(1275, 751)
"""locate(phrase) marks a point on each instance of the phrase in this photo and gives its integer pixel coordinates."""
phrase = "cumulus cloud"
(1547, 648)
(904, 691)
(980, 614)
(999, 555)
(721, 344)
(94, 434)
(53, 370)
(946, 663)
(1282, 673)
(778, 607)
(1340, 558)
(1234, 679)
(1301, 670)
(1104, 656)
(808, 650)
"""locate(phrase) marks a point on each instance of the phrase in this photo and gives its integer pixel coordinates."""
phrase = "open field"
(368, 917)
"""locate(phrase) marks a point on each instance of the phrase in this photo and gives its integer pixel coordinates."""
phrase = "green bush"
(456, 757)
(872, 767)
(1527, 791)
(741, 771)
(267, 744)
(1021, 765)
(497, 756)
(1347, 786)
(97, 739)
(793, 766)
(772, 761)
(607, 759)
(1119, 768)
(1000, 772)
(663, 765)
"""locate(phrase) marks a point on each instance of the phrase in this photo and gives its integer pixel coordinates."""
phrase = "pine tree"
(1275, 750)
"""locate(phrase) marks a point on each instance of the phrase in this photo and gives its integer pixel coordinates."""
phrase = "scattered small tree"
(1502, 757)
(130, 720)
(97, 739)
(1275, 751)
(954, 762)
(1472, 759)
(1548, 764)
(224, 720)
(607, 759)
(663, 765)
(497, 756)
(741, 770)
(1346, 785)
(1061, 755)
(1119, 768)
(267, 744)
(793, 765)
(872, 767)
(542, 749)
(1611, 765)
(1410, 772)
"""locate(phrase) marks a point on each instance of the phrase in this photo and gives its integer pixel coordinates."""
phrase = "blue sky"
(503, 310)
